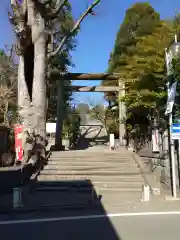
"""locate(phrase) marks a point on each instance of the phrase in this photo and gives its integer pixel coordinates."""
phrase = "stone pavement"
(82, 178)
(114, 176)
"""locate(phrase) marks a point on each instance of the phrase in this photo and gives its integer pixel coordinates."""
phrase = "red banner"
(18, 141)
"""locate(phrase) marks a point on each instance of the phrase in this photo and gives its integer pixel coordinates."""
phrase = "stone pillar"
(122, 115)
(60, 115)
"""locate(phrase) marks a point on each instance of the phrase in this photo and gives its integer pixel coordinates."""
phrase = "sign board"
(50, 127)
(18, 141)
(175, 131)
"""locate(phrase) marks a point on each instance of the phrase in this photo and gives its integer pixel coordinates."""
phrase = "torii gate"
(88, 76)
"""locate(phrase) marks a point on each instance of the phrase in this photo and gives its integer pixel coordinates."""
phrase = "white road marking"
(71, 218)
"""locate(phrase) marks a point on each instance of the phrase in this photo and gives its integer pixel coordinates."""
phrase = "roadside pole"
(173, 51)
(173, 164)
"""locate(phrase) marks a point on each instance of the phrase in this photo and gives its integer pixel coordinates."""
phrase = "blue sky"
(97, 35)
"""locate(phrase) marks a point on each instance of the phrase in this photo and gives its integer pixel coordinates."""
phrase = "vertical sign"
(18, 141)
(171, 98)
(155, 141)
(175, 131)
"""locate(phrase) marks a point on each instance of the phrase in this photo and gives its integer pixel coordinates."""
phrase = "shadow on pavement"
(85, 142)
(72, 203)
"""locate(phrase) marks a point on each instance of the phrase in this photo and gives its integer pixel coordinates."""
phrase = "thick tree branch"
(59, 5)
(50, 32)
(41, 8)
(59, 49)
(19, 10)
(46, 13)
(19, 30)
(47, 2)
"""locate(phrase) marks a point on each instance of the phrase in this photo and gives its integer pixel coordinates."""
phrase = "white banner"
(171, 98)
(155, 141)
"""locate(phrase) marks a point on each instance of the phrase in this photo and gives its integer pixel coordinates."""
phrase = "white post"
(17, 198)
(145, 197)
(120, 137)
(122, 114)
(111, 142)
(175, 38)
(172, 158)
(171, 155)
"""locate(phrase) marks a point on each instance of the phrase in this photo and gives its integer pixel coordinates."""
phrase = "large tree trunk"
(39, 91)
(29, 18)
(32, 88)
(23, 99)
(6, 121)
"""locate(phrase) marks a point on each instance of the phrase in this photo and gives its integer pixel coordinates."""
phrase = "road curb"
(148, 176)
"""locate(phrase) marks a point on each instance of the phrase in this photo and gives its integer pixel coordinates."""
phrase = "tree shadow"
(72, 203)
(85, 142)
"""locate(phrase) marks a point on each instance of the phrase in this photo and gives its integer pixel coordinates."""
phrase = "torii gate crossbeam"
(61, 77)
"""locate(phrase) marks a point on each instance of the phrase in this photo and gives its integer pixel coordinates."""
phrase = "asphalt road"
(148, 227)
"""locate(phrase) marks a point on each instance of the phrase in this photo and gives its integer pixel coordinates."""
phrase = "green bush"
(71, 129)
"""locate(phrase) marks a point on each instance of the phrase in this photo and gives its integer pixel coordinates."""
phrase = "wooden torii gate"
(88, 76)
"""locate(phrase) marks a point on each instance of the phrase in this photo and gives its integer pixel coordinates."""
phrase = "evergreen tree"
(138, 57)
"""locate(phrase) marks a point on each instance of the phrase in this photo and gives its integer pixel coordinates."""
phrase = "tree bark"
(23, 100)
(6, 121)
(32, 109)
(39, 89)
(29, 25)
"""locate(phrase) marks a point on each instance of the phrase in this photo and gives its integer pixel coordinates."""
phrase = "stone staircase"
(112, 175)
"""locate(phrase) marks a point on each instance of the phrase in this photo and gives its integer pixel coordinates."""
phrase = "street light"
(172, 52)
(175, 48)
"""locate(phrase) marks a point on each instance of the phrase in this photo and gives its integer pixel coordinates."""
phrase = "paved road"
(114, 227)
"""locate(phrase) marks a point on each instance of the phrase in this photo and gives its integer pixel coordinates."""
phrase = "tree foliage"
(82, 108)
(8, 84)
(138, 56)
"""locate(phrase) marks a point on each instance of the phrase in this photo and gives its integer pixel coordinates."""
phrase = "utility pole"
(173, 51)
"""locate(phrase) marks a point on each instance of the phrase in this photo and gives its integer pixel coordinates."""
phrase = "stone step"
(91, 160)
(88, 183)
(89, 164)
(94, 156)
(98, 184)
(58, 198)
(87, 167)
(117, 199)
(91, 154)
(120, 184)
(97, 188)
(123, 177)
(92, 172)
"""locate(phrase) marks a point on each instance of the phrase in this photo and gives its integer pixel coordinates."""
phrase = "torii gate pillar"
(122, 115)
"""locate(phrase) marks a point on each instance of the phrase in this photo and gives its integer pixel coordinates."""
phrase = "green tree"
(140, 20)
(8, 85)
(138, 56)
(34, 23)
(82, 108)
